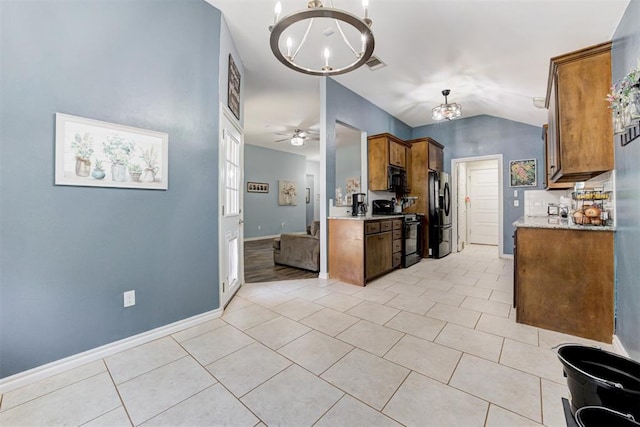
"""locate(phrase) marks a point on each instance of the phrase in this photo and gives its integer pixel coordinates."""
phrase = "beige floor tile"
(368, 378)
(353, 413)
(75, 404)
(310, 293)
(417, 305)
(329, 321)
(469, 280)
(471, 291)
(494, 285)
(251, 289)
(443, 297)
(550, 339)
(404, 289)
(214, 406)
(379, 296)
(117, 417)
(248, 317)
(297, 308)
(270, 298)
(443, 285)
(237, 303)
(371, 337)
(216, 344)
(400, 276)
(483, 276)
(343, 288)
(508, 328)
(459, 316)
(154, 392)
(32, 391)
(486, 306)
(471, 341)
(340, 302)
(499, 417)
(247, 368)
(433, 360)
(421, 401)
(138, 360)
(506, 387)
(373, 312)
(315, 351)
(200, 329)
(277, 332)
(287, 285)
(501, 296)
(294, 397)
(416, 325)
(532, 359)
(552, 410)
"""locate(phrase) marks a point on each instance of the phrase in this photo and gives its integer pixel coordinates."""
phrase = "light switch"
(516, 203)
(515, 193)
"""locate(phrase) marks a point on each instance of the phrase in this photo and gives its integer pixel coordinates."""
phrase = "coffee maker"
(359, 205)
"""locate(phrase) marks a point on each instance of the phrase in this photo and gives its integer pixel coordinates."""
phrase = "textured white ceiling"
(492, 54)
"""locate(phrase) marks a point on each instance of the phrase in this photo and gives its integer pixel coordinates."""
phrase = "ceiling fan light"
(448, 111)
(297, 141)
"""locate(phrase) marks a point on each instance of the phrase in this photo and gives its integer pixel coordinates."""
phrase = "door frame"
(225, 113)
(454, 196)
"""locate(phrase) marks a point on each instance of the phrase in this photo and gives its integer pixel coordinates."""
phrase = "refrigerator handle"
(447, 198)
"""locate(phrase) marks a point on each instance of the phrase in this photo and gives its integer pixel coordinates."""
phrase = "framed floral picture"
(522, 173)
(286, 193)
(99, 154)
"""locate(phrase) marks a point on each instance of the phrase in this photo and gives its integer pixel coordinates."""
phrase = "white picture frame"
(94, 153)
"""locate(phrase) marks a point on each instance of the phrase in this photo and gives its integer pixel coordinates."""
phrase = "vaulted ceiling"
(492, 54)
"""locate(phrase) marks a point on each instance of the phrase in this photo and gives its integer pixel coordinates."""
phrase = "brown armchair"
(299, 250)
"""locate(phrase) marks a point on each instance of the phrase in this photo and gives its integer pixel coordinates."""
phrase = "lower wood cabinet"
(361, 250)
(564, 281)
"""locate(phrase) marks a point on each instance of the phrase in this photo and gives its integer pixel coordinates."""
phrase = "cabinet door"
(378, 253)
(378, 157)
(553, 137)
(436, 157)
(397, 155)
(550, 152)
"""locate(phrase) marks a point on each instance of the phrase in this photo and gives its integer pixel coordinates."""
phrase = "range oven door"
(411, 243)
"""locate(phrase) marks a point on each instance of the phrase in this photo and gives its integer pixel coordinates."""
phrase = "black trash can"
(597, 416)
(598, 378)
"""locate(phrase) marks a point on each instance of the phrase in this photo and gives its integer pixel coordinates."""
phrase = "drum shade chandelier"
(288, 51)
(446, 111)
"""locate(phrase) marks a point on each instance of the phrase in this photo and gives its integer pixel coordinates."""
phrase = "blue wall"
(68, 253)
(485, 135)
(262, 209)
(625, 54)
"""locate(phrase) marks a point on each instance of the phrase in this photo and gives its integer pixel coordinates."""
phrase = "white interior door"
(231, 246)
(482, 207)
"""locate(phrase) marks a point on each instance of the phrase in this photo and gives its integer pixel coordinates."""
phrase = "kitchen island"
(564, 276)
(362, 248)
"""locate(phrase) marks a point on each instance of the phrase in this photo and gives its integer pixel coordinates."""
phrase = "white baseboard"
(618, 347)
(506, 256)
(38, 373)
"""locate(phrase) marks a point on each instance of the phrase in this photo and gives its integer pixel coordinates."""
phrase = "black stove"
(411, 230)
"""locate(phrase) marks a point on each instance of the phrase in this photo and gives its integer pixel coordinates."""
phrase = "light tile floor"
(432, 345)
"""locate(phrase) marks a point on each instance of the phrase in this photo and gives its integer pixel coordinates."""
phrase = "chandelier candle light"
(446, 110)
(349, 59)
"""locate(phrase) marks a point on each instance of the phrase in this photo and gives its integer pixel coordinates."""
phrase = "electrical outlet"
(516, 203)
(129, 298)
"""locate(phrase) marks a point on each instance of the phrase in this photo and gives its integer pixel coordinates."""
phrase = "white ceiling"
(492, 54)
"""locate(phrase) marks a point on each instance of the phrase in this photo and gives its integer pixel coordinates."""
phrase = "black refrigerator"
(439, 214)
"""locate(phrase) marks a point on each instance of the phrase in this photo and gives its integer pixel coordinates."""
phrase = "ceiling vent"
(375, 63)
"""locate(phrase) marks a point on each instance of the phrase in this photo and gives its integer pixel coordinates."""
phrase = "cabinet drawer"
(397, 224)
(397, 234)
(397, 246)
(397, 258)
(371, 227)
(386, 225)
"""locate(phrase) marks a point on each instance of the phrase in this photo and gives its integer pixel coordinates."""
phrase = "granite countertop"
(557, 223)
(367, 217)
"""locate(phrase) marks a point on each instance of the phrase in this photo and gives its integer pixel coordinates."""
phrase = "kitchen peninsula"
(564, 276)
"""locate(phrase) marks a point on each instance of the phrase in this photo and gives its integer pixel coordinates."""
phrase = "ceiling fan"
(299, 137)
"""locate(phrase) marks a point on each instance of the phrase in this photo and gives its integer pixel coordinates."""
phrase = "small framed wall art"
(257, 187)
(522, 173)
(233, 94)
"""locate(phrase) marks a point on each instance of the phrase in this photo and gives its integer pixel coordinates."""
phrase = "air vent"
(375, 64)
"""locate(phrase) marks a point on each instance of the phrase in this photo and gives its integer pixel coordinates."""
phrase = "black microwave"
(397, 180)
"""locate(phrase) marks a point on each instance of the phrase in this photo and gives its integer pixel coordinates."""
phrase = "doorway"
(478, 211)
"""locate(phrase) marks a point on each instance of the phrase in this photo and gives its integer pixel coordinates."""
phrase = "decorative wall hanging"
(233, 96)
(624, 102)
(257, 187)
(101, 154)
(287, 193)
(522, 173)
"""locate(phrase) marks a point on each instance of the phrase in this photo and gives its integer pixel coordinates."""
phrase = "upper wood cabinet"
(580, 133)
(384, 150)
(549, 157)
(436, 155)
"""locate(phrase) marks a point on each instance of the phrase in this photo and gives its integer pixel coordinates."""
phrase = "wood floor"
(259, 266)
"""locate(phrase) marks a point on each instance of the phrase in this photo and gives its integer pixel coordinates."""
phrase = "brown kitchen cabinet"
(361, 250)
(549, 157)
(436, 156)
(384, 150)
(580, 133)
(564, 281)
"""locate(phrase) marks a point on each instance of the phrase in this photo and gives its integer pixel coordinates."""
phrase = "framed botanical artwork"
(522, 173)
(100, 154)
(233, 93)
(257, 187)
(287, 193)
